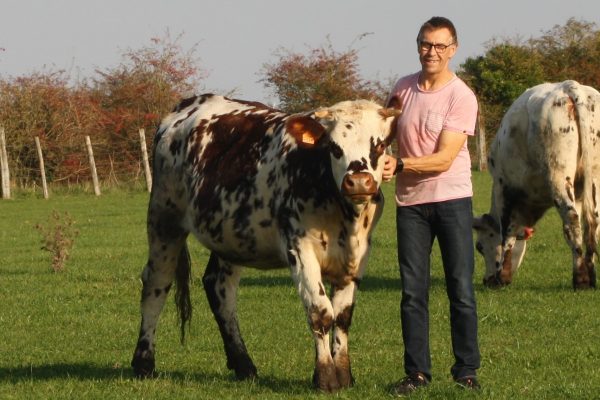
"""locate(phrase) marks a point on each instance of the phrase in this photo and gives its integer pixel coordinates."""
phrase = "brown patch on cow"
(320, 321)
(357, 166)
(189, 114)
(571, 108)
(375, 152)
(175, 147)
(505, 274)
(321, 289)
(366, 222)
(344, 319)
(185, 103)
(568, 188)
(335, 150)
(323, 241)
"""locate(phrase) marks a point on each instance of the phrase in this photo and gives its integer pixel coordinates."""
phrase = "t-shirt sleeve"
(462, 115)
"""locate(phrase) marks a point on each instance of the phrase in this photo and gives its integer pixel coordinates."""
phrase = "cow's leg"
(592, 225)
(343, 306)
(221, 280)
(306, 273)
(570, 212)
(505, 273)
(167, 253)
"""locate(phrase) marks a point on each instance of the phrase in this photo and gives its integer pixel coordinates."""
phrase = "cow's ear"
(478, 223)
(485, 221)
(390, 112)
(305, 130)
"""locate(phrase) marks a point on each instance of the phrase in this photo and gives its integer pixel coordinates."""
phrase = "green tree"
(500, 76)
(510, 66)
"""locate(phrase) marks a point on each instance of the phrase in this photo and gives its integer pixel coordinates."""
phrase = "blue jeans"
(417, 227)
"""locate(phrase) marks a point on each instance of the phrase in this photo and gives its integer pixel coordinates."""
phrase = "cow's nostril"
(359, 184)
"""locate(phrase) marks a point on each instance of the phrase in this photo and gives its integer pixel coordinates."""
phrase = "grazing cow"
(265, 189)
(545, 153)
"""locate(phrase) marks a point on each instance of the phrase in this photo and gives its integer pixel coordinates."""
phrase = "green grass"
(71, 335)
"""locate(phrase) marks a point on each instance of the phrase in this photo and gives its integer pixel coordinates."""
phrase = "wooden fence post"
(88, 144)
(4, 166)
(42, 168)
(145, 159)
(481, 145)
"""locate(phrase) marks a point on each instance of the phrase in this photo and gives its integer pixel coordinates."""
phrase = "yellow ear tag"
(307, 138)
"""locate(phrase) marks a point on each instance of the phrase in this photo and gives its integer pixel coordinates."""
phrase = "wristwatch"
(399, 166)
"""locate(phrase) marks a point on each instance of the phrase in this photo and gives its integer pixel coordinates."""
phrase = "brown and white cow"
(546, 153)
(265, 189)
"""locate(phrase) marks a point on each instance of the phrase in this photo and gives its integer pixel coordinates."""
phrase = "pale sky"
(235, 38)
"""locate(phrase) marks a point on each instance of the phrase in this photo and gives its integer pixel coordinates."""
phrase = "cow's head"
(356, 134)
(501, 260)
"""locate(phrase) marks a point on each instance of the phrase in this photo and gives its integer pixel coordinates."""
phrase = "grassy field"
(71, 335)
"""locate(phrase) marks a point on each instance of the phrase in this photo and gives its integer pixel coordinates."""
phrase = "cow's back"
(540, 135)
(239, 177)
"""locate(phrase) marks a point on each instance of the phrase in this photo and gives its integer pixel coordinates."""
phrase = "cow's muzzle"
(359, 187)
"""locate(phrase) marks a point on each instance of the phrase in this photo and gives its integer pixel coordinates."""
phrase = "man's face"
(435, 48)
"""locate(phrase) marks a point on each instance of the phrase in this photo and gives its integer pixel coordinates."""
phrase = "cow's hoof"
(143, 367)
(325, 378)
(345, 378)
(244, 368)
(583, 284)
(343, 370)
(248, 373)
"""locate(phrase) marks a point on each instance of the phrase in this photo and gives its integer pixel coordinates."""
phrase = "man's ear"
(305, 130)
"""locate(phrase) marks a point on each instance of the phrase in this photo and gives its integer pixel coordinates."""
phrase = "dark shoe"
(468, 382)
(410, 383)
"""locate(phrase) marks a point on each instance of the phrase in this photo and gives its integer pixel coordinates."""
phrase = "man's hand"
(389, 165)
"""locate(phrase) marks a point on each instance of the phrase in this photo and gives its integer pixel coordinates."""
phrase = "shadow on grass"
(83, 372)
(368, 283)
(532, 286)
(63, 370)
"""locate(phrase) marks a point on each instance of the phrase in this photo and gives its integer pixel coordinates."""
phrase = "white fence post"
(38, 146)
(4, 166)
(145, 159)
(88, 144)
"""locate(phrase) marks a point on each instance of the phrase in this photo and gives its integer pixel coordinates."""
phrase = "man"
(433, 197)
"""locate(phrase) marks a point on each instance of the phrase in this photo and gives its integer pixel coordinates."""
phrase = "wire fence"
(42, 166)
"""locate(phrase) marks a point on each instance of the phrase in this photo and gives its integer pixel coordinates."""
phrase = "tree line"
(116, 102)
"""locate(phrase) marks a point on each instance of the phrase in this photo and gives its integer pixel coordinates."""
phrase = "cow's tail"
(584, 110)
(182, 291)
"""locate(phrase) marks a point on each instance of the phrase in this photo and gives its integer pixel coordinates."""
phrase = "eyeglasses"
(439, 48)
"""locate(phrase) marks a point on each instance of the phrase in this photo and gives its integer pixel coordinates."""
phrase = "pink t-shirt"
(425, 114)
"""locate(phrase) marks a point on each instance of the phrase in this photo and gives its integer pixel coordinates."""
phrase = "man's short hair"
(438, 23)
